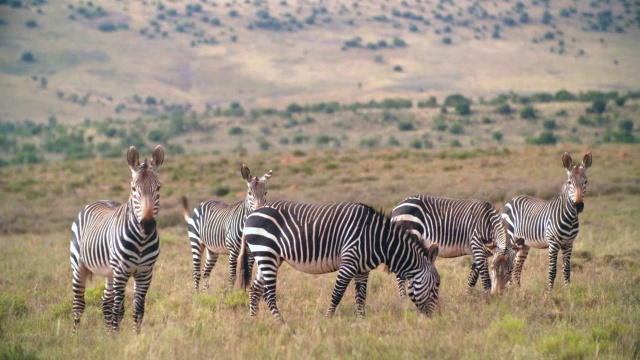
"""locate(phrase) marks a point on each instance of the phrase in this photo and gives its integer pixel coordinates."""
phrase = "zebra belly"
(321, 266)
(222, 250)
(449, 251)
(103, 270)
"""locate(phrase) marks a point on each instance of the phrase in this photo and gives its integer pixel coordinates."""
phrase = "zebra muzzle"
(580, 206)
(148, 225)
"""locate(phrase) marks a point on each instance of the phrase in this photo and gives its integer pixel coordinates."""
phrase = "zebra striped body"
(549, 224)
(217, 227)
(460, 227)
(118, 241)
(350, 238)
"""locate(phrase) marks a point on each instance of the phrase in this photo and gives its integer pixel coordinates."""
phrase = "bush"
(528, 113)
(549, 124)
(463, 109)
(31, 23)
(107, 26)
(545, 138)
(456, 99)
(432, 102)
(370, 143)
(598, 106)
(626, 125)
(504, 109)
(406, 125)
(236, 130)
(564, 95)
(497, 135)
(27, 57)
(457, 129)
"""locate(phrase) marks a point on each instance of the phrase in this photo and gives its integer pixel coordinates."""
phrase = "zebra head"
(424, 286)
(145, 188)
(256, 188)
(501, 267)
(576, 185)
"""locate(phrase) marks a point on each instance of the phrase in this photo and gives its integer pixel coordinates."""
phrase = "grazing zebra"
(217, 227)
(549, 224)
(460, 227)
(118, 241)
(350, 238)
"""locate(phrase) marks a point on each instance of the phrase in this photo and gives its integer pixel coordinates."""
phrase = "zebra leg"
(119, 283)
(553, 263)
(473, 277)
(269, 271)
(361, 292)
(483, 269)
(107, 303)
(212, 259)
(233, 264)
(521, 256)
(140, 288)
(566, 263)
(345, 274)
(197, 248)
(256, 291)
(401, 288)
(80, 274)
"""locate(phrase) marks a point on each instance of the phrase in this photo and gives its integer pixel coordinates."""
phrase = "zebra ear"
(133, 158)
(586, 161)
(567, 162)
(246, 173)
(267, 176)
(432, 253)
(157, 157)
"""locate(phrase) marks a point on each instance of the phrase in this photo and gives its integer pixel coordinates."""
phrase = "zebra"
(350, 238)
(217, 227)
(118, 241)
(460, 227)
(551, 224)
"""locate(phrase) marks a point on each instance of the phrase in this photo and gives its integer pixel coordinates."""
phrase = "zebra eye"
(133, 188)
(159, 187)
(250, 193)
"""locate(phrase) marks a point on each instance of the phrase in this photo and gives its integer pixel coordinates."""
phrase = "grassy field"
(598, 315)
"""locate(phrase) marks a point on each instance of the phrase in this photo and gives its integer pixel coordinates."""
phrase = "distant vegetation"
(610, 114)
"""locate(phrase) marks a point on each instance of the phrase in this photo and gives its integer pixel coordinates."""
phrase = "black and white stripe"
(460, 227)
(217, 227)
(551, 224)
(349, 238)
(118, 241)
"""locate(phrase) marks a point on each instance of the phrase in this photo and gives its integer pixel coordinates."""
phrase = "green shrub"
(236, 130)
(407, 125)
(463, 109)
(545, 138)
(528, 113)
(549, 124)
(504, 109)
(598, 106)
(497, 135)
(456, 99)
(27, 57)
(370, 143)
(457, 129)
(107, 26)
(221, 190)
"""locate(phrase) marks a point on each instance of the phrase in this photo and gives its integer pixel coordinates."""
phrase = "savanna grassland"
(598, 315)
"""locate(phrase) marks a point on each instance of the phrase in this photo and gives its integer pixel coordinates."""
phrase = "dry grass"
(598, 315)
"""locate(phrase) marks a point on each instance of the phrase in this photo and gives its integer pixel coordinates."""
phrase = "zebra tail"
(243, 263)
(185, 209)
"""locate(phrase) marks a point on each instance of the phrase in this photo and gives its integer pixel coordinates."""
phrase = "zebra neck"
(132, 222)
(565, 206)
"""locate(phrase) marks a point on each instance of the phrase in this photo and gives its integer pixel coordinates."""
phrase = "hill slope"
(98, 59)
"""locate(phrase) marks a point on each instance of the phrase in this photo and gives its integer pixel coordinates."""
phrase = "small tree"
(598, 106)
(28, 57)
(528, 113)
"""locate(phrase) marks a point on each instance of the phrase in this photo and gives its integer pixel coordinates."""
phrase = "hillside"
(100, 59)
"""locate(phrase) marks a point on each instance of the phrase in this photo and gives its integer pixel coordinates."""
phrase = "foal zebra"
(118, 241)
(549, 224)
(350, 238)
(217, 227)
(460, 227)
